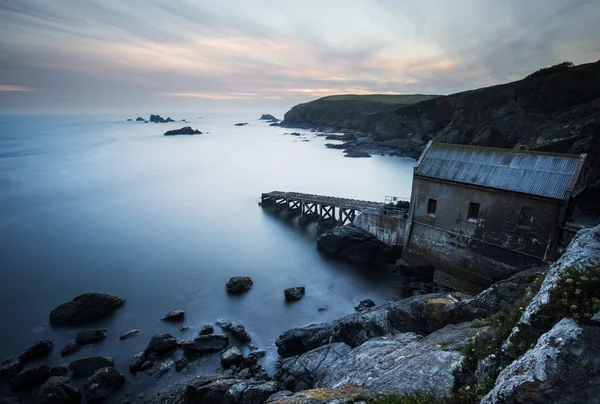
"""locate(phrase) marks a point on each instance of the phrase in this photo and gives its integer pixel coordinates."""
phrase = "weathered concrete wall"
(389, 229)
(479, 251)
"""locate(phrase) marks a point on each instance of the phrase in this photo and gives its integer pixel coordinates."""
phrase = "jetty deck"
(322, 207)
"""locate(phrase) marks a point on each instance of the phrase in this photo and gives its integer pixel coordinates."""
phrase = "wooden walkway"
(320, 207)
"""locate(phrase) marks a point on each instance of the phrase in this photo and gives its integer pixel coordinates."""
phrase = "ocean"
(98, 204)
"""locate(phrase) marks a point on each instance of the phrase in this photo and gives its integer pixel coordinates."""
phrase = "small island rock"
(239, 284)
(129, 334)
(90, 336)
(186, 130)
(294, 294)
(37, 349)
(174, 315)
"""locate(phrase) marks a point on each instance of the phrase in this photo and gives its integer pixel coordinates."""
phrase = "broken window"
(431, 206)
(526, 216)
(473, 211)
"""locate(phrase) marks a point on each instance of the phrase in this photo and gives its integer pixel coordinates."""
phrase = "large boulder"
(85, 367)
(37, 349)
(58, 390)
(85, 308)
(563, 367)
(404, 363)
(582, 253)
(205, 344)
(342, 395)
(421, 314)
(239, 284)
(358, 245)
(228, 390)
(102, 384)
(29, 378)
(90, 336)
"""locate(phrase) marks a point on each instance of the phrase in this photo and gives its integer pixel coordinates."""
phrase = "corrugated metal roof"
(542, 174)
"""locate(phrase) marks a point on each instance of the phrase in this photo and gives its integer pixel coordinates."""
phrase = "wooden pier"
(320, 207)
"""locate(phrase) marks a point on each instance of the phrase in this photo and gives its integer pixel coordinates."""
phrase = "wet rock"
(238, 331)
(90, 336)
(302, 339)
(358, 245)
(58, 390)
(161, 344)
(10, 367)
(102, 384)
(161, 367)
(253, 347)
(37, 349)
(228, 390)
(129, 334)
(136, 362)
(294, 294)
(342, 395)
(174, 315)
(29, 378)
(186, 130)
(232, 356)
(205, 344)
(207, 329)
(184, 328)
(181, 363)
(562, 367)
(85, 367)
(85, 308)
(70, 349)
(365, 304)
(59, 370)
(239, 284)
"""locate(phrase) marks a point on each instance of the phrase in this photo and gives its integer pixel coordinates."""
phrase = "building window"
(526, 217)
(473, 211)
(431, 206)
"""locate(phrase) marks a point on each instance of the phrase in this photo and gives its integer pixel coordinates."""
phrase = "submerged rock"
(358, 245)
(294, 294)
(85, 367)
(58, 390)
(102, 384)
(39, 348)
(174, 315)
(129, 334)
(563, 367)
(90, 336)
(239, 284)
(186, 130)
(85, 308)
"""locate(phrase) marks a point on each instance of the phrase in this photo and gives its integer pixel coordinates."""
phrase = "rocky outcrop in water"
(174, 315)
(160, 119)
(90, 336)
(102, 384)
(85, 367)
(37, 349)
(186, 130)
(58, 390)
(238, 284)
(85, 308)
(268, 117)
(29, 378)
(241, 124)
(294, 294)
(129, 334)
(358, 245)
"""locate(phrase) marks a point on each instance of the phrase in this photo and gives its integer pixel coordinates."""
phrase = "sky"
(105, 56)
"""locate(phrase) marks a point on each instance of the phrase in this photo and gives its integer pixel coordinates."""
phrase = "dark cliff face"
(558, 113)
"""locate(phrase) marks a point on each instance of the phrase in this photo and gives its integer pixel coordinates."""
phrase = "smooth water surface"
(94, 203)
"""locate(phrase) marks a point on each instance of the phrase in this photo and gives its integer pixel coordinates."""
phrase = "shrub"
(552, 69)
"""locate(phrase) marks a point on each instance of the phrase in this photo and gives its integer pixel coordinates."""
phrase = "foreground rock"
(358, 245)
(421, 314)
(85, 308)
(85, 367)
(239, 284)
(102, 384)
(404, 363)
(58, 390)
(174, 315)
(563, 367)
(90, 336)
(186, 130)
(37, 349)
(294, 294)
(232, 356)
(29, 378)
(236, 328)
(161, 344)
(342, 395)
(224, 390)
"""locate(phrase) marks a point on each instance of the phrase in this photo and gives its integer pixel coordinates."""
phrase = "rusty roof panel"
(541, 174)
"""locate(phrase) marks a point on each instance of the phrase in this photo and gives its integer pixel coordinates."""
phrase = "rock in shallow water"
(239, 284)
(102, 384)
(85, 367)
(37, 349)
(129, 334)
(85, 308)
(28, 378)
(294, 294)
(232, 356)
(161, 344)
(207, 329)
(205, 344)
(186, 130)
(90, 336)
(70, 349)
(174, 315)
(58, 390)
(10, 367)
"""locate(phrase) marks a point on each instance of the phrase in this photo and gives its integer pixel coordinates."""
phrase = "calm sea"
(98, 204)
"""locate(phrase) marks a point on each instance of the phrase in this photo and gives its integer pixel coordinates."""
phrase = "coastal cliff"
(557, 112)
